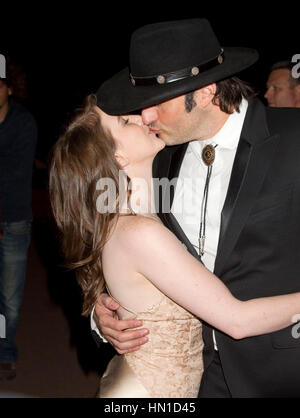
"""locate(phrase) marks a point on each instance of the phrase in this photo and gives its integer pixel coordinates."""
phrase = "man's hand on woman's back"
(118, 332)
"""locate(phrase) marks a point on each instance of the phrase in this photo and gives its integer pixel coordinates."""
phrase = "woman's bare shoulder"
(137, 223)
(139, 227)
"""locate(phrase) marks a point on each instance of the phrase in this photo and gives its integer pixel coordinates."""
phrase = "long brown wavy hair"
(83, 154)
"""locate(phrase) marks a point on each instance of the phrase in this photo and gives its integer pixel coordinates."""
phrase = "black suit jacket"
(259, 246)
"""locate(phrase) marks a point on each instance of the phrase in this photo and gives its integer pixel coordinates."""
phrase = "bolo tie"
(208, 157)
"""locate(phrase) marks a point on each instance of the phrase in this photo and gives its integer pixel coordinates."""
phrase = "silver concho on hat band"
(195, 71)
(132, 80)
(160, 79)
(178, 75)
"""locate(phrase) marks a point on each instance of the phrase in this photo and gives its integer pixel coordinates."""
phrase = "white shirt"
(190, 185)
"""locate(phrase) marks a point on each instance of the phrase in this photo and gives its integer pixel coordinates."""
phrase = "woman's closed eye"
(132, 119)
(123, 120)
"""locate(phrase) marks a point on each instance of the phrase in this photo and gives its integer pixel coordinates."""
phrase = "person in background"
(283, 90)
(18, 137)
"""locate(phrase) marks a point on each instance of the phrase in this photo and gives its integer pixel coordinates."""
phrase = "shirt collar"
(228, 136)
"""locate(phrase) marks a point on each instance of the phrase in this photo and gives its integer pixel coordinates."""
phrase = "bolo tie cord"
(208, 157)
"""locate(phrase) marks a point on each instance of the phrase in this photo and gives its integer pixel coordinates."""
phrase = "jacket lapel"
(251, 164)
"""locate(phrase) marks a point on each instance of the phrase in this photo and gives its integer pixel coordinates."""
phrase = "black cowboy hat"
(169, 59)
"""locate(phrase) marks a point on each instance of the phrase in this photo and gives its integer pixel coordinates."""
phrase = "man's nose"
(149, 115)
(268, 94)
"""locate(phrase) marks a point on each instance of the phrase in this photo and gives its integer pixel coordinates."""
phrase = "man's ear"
(206, 94)
(122, 160)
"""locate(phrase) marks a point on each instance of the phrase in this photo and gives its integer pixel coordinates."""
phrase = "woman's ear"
(122, 160)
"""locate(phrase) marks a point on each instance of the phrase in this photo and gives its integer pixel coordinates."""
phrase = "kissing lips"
(154, 131)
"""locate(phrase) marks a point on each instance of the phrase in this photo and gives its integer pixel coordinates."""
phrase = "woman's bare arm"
(161, 258)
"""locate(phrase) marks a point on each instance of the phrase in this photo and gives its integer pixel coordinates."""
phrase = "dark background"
(67, 50)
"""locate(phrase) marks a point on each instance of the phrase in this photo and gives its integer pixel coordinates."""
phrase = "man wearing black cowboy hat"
(247, 227)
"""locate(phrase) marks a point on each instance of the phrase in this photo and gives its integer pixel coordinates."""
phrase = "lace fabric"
(168, 366)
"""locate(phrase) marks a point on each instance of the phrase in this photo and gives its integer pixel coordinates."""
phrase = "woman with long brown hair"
(120, 243)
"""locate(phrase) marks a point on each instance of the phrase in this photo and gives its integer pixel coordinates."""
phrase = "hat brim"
(117, 96)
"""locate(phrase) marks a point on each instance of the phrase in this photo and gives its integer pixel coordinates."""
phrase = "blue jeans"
(13, 263)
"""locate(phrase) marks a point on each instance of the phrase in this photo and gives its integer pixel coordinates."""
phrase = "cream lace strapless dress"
(168, 366)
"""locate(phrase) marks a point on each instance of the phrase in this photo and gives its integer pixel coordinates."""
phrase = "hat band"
(177, 75)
